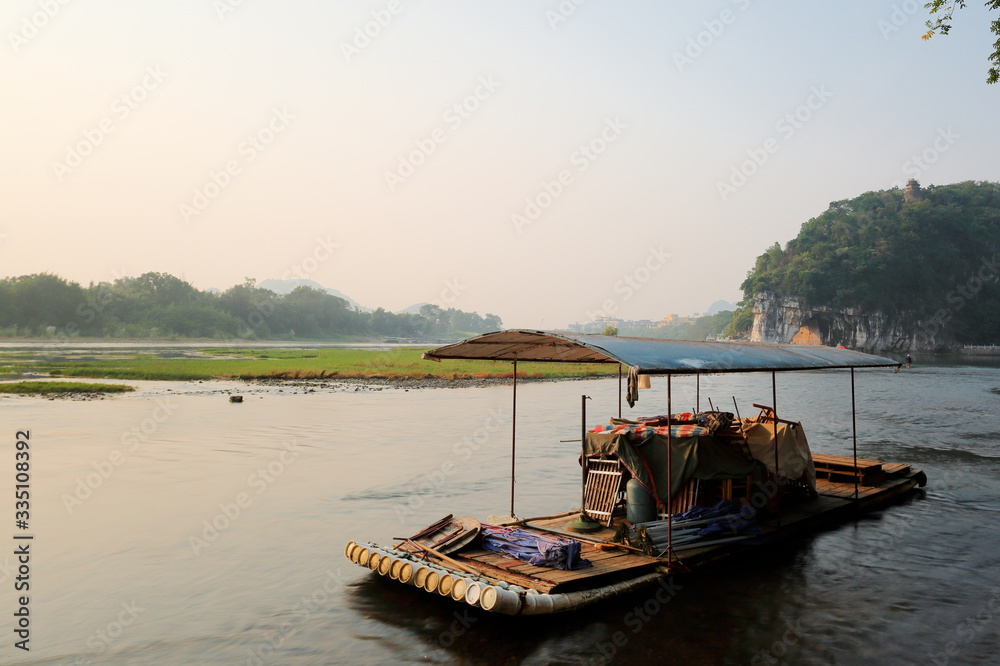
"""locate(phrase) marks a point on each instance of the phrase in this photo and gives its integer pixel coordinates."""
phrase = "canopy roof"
(654, 356)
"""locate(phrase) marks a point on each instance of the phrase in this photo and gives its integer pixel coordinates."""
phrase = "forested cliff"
(884, 271)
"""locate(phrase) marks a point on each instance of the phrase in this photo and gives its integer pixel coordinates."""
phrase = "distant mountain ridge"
(284, 287)
(413, 309)
(719, 306)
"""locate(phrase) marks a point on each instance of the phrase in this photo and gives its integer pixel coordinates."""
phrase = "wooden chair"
(736, 489)
(604, 486)
(767, 416)
(683, 500)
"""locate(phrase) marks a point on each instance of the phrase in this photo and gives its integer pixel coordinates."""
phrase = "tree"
(742, 320)
(492, 322)
(610, 330)
(942, 24)
(44, 300)
(161, 289)
(158, 304)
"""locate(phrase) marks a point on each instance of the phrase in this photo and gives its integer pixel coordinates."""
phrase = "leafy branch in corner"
(945, 9)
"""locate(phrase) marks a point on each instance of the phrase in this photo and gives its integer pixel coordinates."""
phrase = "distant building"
(598, 324)
(912, 192)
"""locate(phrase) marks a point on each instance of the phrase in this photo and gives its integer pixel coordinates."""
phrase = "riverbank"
(979, 350)
(399, 364)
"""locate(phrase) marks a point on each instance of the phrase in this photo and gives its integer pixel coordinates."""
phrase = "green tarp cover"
(693, 458)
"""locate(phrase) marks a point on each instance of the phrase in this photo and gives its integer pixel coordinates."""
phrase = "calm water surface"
(130, 569)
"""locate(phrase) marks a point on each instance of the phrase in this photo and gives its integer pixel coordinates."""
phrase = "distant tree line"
(158, 305)
(702, 328)
(928, 262)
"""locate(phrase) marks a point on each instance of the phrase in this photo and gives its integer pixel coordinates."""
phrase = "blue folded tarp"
(541, 550)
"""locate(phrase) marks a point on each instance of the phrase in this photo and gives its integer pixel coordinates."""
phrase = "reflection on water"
(222, 527)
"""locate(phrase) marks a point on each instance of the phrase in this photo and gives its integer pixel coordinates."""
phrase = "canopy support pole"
(584, 523)
(513, 440)
(583, 457)
(697, 392)
(619, 390)
(774, 429)
(670, 481)
(854, 430)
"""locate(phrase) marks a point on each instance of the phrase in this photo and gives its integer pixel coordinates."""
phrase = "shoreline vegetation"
(159, 306)
(401, 363)
(400, 367)
(62, 388)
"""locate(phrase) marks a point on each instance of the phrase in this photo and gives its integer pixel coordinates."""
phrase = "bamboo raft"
(496, 583)
(845, 486)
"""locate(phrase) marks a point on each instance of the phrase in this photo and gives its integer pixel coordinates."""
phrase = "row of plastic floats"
(436, 578)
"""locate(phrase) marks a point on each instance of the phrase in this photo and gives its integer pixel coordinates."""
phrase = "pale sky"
(218, 139)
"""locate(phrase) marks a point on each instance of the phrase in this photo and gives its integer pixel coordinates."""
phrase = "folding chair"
(604, 485)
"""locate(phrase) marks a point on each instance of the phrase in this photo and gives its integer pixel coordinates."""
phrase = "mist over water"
(218, 536)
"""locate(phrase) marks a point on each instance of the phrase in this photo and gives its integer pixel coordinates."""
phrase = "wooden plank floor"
(869, 472)
(605, 563)
(895, 469)
(835, 503)
(843, 489)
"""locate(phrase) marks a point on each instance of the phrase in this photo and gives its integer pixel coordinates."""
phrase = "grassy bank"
(47, 388)
(399, 363)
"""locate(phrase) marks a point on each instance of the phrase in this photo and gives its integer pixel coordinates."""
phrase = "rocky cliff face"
(787, 320)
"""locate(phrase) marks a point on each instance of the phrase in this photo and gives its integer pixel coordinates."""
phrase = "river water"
(172, 526)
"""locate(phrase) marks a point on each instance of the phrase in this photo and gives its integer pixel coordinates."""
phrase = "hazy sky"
(545, 161)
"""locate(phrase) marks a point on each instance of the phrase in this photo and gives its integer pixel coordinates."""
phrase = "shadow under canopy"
(649, 356)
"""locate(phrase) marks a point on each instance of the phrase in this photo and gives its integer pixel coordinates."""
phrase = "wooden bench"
(841, 468)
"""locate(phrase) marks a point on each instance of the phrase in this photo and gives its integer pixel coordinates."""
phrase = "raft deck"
(619, 568)
(607, 566)
(834, 503)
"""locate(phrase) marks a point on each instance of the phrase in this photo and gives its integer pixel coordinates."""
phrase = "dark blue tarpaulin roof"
(654, 356)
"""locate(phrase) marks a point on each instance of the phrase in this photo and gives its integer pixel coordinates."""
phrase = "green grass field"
(398, 363)
(46, 388)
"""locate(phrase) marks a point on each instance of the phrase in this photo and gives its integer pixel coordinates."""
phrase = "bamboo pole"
(774, 429)
(513, 440)
(583, 456)
(854, 431)
(619, 390)
(670, 478)
(445, 558)
(524, 521)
